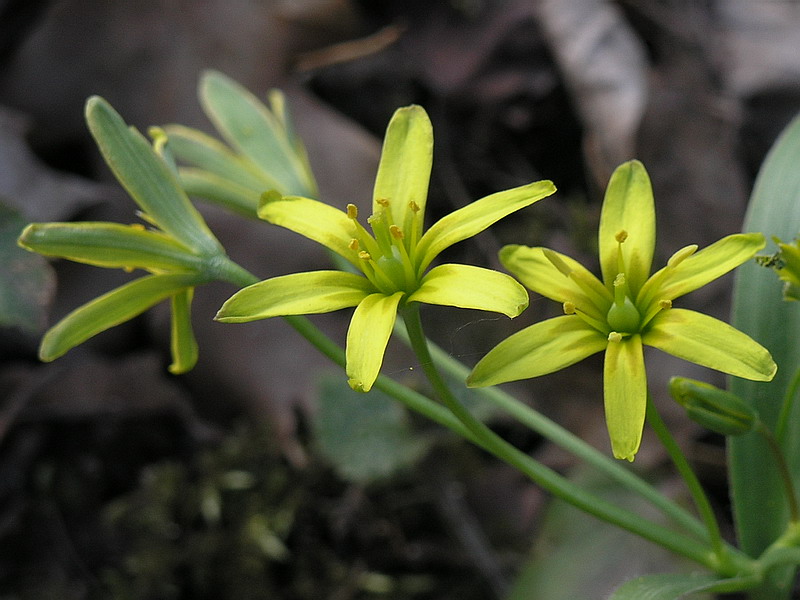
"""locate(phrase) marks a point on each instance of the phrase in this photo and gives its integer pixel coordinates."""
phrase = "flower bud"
(713, 408)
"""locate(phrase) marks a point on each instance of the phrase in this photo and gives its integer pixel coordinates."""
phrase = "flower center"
(383, 258)
(623, 316)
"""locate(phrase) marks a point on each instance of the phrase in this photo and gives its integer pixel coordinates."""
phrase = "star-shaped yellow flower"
(393, 260)
(625, 310)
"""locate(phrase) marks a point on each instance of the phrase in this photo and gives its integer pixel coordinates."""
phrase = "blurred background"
(259, 475)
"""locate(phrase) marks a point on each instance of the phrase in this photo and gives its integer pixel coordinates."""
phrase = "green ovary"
(623, 317)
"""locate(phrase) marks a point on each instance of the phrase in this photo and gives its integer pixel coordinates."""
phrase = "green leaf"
(26, 280)
(110, 309)
(209, 154)
(147, 178)
(249, 127)
(760, 311)
(109, 245)
(365, 438)
(674, 586)
(183, 344)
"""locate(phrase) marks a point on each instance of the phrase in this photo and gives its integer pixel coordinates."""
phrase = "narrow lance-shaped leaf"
(250, 128)
(760, 311)
(109, 245)
(147, 178)
(109, 310)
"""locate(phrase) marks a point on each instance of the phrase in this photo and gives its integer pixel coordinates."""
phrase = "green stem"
(689, 477)
(571, 443)
(783, 468)
(476, 432)
(540, 474)
(786, 408)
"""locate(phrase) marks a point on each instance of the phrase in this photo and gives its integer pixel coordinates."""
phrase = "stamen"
(614, 337)
(384, 202)
(364, 255)
(569, 308)
(621, 236)
(557, 262)
(352, 212)
(413, 206)
(396, 232)
(664, 304)
(138, 226)
(681, 255)
(354, 245)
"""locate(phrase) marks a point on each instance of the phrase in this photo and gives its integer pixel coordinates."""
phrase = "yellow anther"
(353, 245)
(614, 337)
(137, 226)
(352, 211)
(128, 269)
(665, 304)
(569, 308)
(619, 280)
(681, 255)
(396, 232)
(364, 255)
(413, 206)
(621, 236)
(384, 202)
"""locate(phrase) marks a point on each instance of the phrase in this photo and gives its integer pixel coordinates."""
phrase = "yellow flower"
(625, 310)
(393, 259)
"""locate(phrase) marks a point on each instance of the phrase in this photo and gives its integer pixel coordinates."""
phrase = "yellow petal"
(625, 395)
(467, 286)
(537, 350)
(540, 275)
(313, 219)
(405, 168)
(711, 343)
(628, 206)
(296, 294)
(477, 216)
(367, 337)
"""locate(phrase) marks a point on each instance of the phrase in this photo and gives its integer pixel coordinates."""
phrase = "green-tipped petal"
(540, 349)
(108, 245)
(702, 267)
(467, 286)
(625, 392)
(367, 337)
(405, 166)
(313, 219)
(477, 216)
(297, 294)
(108, 310)
(253, 130)
(540, 275)
(711, 343)
(183, 344)
(628, 206)
(147, 178)
(205, 152)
